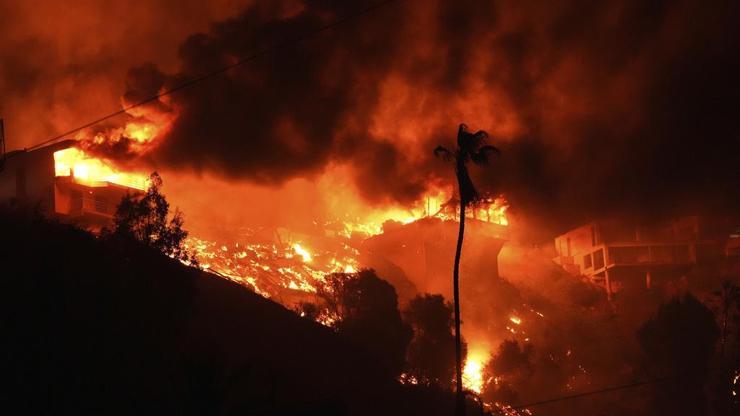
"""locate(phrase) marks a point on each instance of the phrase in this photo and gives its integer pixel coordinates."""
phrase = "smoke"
(600, 108)
(62, 65)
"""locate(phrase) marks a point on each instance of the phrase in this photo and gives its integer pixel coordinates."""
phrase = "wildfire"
(137, 135)
(473, 370)
(272, 268)
(142, 133)
(435, 203)
(303, 253)
(91, 171)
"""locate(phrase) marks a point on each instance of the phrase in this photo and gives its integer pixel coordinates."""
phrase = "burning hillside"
(291, 267)
(306, 142)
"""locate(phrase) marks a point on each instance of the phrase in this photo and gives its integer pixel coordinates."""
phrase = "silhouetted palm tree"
(471, 147)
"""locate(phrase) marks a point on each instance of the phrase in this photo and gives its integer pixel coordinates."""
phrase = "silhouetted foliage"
(145, 218)
(679, 341)
(308, 310)
(430, 356)
(511, 358)
(725, 303)
(512, 365)
(365, 310)
(471, 147)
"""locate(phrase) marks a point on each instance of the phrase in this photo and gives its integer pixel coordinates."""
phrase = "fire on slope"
(277, 264)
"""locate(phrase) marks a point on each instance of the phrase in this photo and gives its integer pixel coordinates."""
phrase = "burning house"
(620, 256)
(63, 182)
(418, 253)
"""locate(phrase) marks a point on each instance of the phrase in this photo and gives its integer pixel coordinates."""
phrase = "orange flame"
(92, 171)
(473, 371)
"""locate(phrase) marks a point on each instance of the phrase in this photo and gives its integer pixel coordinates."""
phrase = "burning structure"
(415, 256)
(622, 256)
(64, 182)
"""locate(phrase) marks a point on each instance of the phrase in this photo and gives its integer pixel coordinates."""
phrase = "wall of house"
(28, 177)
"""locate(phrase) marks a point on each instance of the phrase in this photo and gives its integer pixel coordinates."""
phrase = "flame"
(270, 268)
(139, 136)
(92, 171)
(436, 204)
(142, 133)
(282, 270)
(473, 370)
(303, 253)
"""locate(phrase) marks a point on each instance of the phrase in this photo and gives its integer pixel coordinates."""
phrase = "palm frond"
(444, 153)
(483, 155)
(468, 142)
(479, 137)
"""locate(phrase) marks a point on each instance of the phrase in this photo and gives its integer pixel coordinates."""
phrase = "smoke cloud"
(599, 108)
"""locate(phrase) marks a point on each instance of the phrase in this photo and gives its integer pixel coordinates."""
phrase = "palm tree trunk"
(460, 398)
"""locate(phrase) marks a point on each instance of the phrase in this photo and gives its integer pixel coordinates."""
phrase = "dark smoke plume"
(600, 108)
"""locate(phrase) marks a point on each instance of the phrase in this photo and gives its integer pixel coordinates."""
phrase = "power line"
(590, 393)
(607, 390)
(259, 53)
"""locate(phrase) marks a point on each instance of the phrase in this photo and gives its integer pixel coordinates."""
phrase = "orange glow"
(140, 136)
(93, 171)
(435, 203)
(271, 268)
(473, 371)
(142, 133)
(303, 253)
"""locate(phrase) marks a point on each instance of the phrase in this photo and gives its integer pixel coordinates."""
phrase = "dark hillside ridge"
(92, 326)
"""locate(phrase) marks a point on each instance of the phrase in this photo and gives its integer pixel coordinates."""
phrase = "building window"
(76, 200)
(100, 204)
(598, 259)
(587, 262)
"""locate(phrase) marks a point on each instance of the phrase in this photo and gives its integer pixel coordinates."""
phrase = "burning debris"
(276, 263)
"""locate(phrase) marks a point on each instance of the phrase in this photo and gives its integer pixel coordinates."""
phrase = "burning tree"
(470, 147)
(144, 218)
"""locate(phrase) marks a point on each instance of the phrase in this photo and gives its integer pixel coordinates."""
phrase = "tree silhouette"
(728, 303)
(725, 304)
(144, 218)
(471, 147)
(514, 364)
(679, 342)
(364, 309)
(430, 355)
